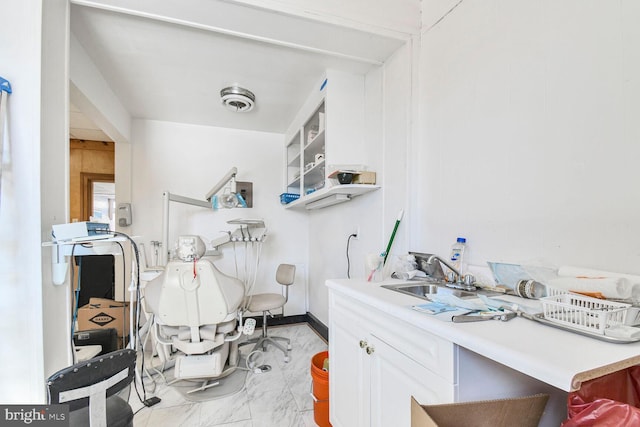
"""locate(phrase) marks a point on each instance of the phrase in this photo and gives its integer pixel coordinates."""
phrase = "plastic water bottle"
(457, 255)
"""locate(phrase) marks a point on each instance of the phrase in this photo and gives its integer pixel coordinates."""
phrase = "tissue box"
(521, 412)
(102, 313)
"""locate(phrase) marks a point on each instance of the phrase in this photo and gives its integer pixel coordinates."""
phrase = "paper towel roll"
(617, 288)
(633, 280)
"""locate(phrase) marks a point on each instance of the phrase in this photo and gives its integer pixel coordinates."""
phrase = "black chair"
(90, 387)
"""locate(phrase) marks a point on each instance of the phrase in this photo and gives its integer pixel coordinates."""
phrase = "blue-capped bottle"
(457, 255)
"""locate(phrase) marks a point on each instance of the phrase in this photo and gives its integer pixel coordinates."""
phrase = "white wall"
(387, 137)
(529, 139)
(54, 178)
(32, 47)
(189, 160)
(94, 97)
(19, 227)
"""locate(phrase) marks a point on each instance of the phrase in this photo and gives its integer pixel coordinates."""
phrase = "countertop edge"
(537, 362)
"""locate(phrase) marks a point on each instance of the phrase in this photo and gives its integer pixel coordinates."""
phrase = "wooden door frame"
(86, 186)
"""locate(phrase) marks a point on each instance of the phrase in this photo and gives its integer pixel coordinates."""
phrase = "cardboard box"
(521, 412)
(364, 178)
(359, 177)
(103, 313)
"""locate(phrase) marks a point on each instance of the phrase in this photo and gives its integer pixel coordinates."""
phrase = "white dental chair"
(195, 308)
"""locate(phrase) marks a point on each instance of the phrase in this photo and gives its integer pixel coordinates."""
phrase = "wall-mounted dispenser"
(124, 214)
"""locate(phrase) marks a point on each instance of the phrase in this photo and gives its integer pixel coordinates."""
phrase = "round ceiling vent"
(237, 99)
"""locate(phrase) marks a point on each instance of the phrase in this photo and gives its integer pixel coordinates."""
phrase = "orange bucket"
(320, 391)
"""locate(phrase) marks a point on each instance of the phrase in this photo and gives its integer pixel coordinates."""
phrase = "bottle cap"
(462, 240)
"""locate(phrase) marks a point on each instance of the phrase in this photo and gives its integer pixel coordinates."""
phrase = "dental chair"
(195, 311)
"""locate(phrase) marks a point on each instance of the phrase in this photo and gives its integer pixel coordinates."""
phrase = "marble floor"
(278, 398)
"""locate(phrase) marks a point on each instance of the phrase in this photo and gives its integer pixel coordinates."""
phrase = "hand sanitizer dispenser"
(124, 214)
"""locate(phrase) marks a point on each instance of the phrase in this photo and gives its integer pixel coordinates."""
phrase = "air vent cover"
(237, 99)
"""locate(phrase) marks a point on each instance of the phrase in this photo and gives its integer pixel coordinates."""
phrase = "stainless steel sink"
(424, 290)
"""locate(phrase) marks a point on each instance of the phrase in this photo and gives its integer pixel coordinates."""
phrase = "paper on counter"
(433, 307)
(617, 288)
(475, 305)
(628, 287)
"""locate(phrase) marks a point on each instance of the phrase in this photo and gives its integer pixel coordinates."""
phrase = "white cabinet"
(305, 155)
(327, 133)
(349, 372)
(378, 363)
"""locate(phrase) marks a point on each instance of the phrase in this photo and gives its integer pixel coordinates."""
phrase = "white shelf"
(331, 195)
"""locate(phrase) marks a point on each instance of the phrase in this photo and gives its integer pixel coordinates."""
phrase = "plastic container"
(584, 313)
(320, 389)
(457, 255)
(530, 289)
(286, 198)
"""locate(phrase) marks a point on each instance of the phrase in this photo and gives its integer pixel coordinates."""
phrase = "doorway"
(91, 173)
(99, 198)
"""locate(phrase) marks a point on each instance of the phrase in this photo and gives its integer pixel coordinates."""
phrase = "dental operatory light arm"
(228, 177)
(169, 197)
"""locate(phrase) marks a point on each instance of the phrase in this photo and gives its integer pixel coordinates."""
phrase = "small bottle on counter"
(457, 255)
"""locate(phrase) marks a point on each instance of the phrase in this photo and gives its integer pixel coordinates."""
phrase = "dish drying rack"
(583, 313)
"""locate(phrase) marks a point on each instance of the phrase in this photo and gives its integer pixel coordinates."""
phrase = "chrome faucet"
(458, 282)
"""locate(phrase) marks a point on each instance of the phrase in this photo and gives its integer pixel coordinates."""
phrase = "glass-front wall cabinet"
(306, 155)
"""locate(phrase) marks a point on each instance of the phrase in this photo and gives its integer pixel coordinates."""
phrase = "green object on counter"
(393, 235)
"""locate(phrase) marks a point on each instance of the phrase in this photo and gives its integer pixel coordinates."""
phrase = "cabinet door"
(294, 164)
(349, 373)
(313, 151)
(396, 377)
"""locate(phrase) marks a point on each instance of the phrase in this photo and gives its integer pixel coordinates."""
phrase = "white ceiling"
(171, 65)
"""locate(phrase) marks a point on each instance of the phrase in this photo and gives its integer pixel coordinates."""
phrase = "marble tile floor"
(278, 398)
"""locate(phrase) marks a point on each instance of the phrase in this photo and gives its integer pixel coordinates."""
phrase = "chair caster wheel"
(286, 359)
(288, 346)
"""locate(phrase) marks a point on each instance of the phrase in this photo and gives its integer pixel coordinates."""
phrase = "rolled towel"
(634, 280)
(610, 287)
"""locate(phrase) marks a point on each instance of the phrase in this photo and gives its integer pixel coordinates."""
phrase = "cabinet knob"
(370, 350)
(363, 343)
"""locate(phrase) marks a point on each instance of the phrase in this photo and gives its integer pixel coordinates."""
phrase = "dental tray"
(583, 313)
(616, 340)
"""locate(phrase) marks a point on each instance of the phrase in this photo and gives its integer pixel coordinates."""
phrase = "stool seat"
(265, 302)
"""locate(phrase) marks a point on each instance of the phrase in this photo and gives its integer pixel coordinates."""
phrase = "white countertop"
(560, 358)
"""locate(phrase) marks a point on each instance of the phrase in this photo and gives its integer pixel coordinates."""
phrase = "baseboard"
(318, 326)
(308, 318)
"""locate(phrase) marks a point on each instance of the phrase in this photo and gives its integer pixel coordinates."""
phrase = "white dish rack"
(583, 313)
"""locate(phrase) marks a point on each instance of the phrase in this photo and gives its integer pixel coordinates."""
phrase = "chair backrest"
(285, 274)
(206, 299)
(89, 383)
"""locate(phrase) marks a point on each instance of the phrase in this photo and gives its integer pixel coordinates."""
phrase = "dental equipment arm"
(169, 197)
(228, 177)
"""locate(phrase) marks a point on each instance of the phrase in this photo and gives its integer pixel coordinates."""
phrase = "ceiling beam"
(262, 25)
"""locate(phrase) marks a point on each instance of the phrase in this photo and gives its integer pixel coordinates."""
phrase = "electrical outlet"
(357, 233)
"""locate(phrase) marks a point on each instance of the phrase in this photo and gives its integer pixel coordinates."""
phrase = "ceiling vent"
(238, 99)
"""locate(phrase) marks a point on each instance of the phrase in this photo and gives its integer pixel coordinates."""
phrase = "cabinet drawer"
(432, 352)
